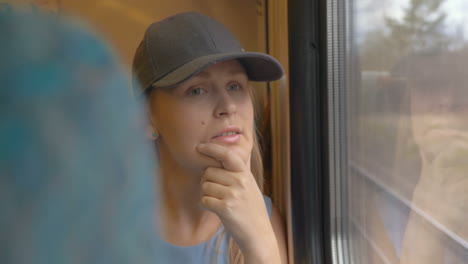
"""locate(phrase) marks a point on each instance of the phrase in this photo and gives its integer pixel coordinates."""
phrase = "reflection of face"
(439, 115)
(197, 111)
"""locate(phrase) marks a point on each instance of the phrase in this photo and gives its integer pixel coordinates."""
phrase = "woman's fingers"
(218, 175)
(212, 204)
(215, 205)
(232, 193)
(215, 190)
(229, 160)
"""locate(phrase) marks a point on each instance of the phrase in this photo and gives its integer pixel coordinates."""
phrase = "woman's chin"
(243, 153)
(206, 161)
(431, 150)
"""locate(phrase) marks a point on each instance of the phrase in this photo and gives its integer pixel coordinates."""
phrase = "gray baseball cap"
(183, 45)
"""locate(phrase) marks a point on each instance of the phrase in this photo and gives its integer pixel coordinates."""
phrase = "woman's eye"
(196, 91)
(234, 87)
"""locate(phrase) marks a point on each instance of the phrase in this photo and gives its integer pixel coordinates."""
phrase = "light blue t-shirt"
(203, 253)
(395, 217)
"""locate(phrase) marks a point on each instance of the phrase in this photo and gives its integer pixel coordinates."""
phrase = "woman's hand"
(233, 194)
(442, 195)
(442, 191)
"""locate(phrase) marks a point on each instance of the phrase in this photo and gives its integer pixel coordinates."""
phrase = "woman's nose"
(226, 105)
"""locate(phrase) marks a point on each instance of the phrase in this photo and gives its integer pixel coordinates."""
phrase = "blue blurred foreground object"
(76, 175)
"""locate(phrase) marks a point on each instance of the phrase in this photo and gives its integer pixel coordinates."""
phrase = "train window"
(398, 130)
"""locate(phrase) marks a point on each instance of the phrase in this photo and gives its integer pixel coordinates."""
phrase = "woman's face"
(213, 106)
(439, 116)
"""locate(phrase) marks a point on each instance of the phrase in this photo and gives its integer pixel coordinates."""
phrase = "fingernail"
(201, 145)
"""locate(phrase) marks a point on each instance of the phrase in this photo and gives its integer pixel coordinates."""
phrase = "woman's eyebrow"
(237, 73)
(206, 75)
(203, 74)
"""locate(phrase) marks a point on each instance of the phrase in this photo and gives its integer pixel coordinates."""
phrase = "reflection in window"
(409, 147)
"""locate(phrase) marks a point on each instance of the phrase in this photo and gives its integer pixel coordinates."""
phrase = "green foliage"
(420, 30)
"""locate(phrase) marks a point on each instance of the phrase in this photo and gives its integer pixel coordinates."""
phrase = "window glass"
(408, 139)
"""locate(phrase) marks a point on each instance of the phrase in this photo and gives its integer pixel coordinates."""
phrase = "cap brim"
(259, 67)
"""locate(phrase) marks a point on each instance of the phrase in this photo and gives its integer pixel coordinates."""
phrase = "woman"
(439, 109)
(430, 164)
(195, 77)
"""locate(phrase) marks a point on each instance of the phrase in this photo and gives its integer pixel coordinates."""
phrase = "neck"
(183, 220)
(180, 190)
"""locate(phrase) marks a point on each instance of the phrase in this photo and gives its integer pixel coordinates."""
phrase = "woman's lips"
(228, 135)
(228, 139)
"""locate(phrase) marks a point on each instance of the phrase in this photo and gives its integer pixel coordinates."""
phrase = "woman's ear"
(151, 129)
(151, 133)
